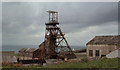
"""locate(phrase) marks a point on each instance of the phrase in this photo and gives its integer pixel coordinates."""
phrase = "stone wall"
(103, 49)
(25, 56)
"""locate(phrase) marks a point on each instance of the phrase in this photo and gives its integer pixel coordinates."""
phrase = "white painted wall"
(114, 54)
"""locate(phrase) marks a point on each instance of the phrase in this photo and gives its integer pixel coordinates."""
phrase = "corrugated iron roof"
(27, 50)
(107, 40)
(7, 52)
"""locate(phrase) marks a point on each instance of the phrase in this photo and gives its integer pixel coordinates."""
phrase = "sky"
(59, 0)
(23, 23)
(0, 26)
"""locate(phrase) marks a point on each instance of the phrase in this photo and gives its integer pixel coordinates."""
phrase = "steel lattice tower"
(55, 38)
(55, 44)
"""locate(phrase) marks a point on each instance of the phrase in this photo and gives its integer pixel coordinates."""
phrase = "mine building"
(54, 46)
(100, 46)
(26, 53)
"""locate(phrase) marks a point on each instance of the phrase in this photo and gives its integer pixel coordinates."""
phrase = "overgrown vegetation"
(84, 59)
(85, 63)
(101, 63)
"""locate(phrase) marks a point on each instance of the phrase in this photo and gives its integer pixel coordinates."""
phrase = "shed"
(8, 57)
(114, 54)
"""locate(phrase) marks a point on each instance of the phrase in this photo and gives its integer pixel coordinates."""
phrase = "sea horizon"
(16, 48)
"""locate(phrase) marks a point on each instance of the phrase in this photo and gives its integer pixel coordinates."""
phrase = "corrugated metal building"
(100, 46)
(26, 53)
(8, 57)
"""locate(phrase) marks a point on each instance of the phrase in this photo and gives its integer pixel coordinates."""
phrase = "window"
(109, 50)
(97, 53)
(90, 52)
(103, 56)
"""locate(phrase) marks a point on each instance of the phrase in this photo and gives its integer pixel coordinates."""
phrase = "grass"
(101, 63)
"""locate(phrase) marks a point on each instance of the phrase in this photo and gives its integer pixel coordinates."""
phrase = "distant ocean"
(16, 48)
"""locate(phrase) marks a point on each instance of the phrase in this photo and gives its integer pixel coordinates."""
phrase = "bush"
(7, 64)
(84, 59)
(11, 65)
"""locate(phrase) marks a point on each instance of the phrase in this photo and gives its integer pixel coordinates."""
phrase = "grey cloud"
(26, 18)
(0, 25)
(89, 14)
